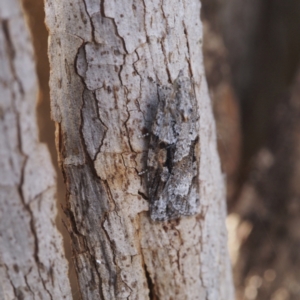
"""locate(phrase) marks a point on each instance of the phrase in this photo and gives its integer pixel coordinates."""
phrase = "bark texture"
(106, 59)
(35, 16)
(32, 263)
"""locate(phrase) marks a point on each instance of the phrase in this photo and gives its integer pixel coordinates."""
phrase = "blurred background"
(251, 55)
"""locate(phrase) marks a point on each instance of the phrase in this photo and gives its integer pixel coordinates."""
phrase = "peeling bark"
(32, 263)
(106, 60)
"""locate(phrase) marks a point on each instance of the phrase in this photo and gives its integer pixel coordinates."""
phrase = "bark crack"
(126, 127)
(136, 71)
(106, 128)
(111, 244)
(165, 57)
(10, 280)
(11, 53)
(27, 205)
(114, 22)
(150, 283)
(91, 22)
(143, 195)
(81, 112)
(98, 274)
(110, 196)
(27, 284)
(188, 47)
(31, 224)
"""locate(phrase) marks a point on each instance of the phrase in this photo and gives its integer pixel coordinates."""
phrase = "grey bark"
(106, 59)
(32, 263)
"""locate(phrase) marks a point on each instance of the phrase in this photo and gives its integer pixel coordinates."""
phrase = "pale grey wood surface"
(107, 58)
(32, 262)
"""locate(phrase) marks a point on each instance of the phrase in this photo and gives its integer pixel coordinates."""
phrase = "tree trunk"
(106, 60)
(32, 263)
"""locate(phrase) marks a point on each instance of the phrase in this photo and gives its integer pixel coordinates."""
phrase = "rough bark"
(106, 59)
(32, 263)
(35, 16)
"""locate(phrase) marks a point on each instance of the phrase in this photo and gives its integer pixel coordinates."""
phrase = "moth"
(173, 158)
